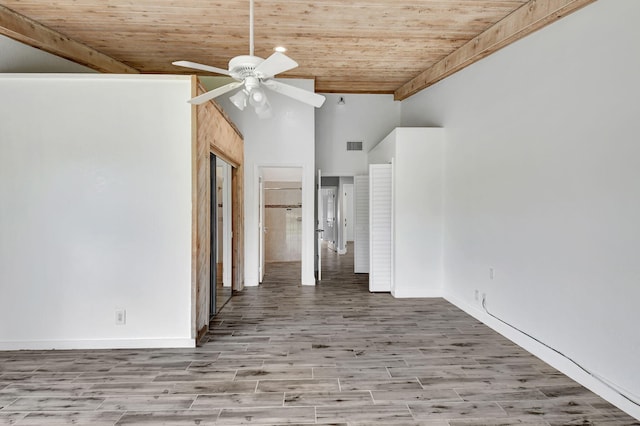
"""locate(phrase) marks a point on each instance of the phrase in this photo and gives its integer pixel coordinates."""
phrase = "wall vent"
(354, 146)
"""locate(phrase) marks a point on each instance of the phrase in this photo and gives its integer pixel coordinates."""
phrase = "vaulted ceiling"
(359, 46)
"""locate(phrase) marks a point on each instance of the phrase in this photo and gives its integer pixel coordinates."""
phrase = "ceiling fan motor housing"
(244, 66)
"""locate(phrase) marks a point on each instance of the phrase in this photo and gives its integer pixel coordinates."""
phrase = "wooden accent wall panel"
(237, 224)
(202, 210)
(215, 134)
(219, 133)
(195, 266)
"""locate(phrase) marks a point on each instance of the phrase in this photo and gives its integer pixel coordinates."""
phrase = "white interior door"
(361, 222)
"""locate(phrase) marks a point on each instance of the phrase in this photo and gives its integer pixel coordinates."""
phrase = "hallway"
(285, 354)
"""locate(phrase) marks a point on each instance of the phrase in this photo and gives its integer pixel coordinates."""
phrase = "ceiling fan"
(252, 73)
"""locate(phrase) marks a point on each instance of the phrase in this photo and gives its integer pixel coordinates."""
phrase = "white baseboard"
(98, 344)
(309, 280)
(419, 293)
(251, 281)
(557, 361)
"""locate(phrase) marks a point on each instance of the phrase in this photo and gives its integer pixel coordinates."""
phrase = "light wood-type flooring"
(285, 354)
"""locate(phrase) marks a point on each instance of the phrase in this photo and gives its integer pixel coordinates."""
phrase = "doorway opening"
(336, 220)
(280, 219)
(220, 289)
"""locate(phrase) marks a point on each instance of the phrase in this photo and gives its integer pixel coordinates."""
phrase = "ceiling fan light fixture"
(240, 99)
(257, 97)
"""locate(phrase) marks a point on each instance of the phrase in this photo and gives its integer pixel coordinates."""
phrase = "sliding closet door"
(380, 227)
(361, 219)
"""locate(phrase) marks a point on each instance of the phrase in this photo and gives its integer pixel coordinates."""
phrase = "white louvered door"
(361, 222)
(380, 227)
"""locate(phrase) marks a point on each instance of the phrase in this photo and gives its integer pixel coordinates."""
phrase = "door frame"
(256, 186)
(261, 230)
(319, 226)
(213, 228)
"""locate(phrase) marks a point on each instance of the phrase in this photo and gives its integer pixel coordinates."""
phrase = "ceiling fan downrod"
(251, 46)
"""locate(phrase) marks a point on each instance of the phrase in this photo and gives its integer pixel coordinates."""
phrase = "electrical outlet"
(121, 316)
(491, 273)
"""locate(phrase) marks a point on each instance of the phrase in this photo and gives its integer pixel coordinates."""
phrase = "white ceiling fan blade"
(275, 64)
(215, 93)
(296, 93)
(197, 66)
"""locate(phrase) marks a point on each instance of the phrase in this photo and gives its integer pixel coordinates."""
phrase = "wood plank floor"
(286, 354)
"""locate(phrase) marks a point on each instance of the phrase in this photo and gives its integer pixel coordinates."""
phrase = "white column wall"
(95, 183)
(287, 139)
(417, 193)
(542, 185)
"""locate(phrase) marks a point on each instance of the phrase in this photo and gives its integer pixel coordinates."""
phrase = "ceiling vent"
(354, 146)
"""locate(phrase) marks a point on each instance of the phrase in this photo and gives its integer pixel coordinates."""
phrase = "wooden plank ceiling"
(360, 46)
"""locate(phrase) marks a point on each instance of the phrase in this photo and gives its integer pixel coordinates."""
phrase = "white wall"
(18, 57)
(281, 174)
(95, 183)
(285, 140)
(366, 118)
(417, 193)
(542, 185)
